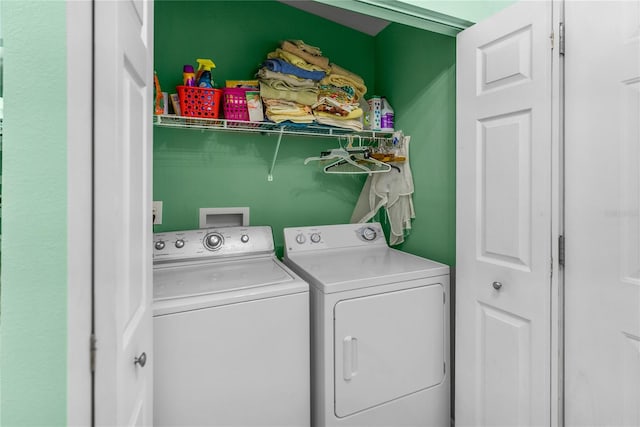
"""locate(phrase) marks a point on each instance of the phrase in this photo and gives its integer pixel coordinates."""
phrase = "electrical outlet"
(157, 212)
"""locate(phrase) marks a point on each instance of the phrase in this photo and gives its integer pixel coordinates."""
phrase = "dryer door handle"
(349, 357)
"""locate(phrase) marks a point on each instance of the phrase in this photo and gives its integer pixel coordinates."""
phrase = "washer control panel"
(333, 236)
(211, 242)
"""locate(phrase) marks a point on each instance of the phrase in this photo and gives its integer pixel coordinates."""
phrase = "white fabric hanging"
(393, 191)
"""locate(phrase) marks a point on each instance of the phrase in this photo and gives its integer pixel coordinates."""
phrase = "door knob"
(141, 360)
(497, 285)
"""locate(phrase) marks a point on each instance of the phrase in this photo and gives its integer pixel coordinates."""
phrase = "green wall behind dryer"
(415, 70)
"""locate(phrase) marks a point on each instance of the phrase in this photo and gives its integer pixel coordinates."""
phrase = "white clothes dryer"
(379, 328)
(231, 331)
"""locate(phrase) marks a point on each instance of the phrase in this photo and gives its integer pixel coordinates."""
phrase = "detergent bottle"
(204, 72)
(188, 76)
(386, 116)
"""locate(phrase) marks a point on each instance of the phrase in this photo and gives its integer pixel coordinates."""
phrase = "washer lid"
(194, 286)
(346, 269)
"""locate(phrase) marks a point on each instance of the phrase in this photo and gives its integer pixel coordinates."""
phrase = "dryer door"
(387, 346)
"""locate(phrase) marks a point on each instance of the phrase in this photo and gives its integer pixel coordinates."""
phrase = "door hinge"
(92, 352)
(552, 38)
(561, 250)
(561, 37)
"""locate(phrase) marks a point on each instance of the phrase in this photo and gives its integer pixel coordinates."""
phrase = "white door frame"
(557, 214)
(79, 210)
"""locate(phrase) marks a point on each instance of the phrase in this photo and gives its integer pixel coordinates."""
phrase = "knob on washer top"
(300, 238)
(179, 243)
(159, 245)
(315, 238)
(369, 234)
(213, 241)
(244, 238)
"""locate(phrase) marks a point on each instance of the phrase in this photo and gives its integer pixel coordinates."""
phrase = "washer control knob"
(300, 238)
(159, 245)
(179, 243)
(369, 234)
(315, 237)
(244, 238)
(213, 241)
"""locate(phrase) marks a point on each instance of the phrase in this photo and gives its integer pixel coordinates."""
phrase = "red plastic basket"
(199, 101)
(235, 103)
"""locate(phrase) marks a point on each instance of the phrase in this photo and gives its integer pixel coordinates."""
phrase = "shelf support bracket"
(275, 155)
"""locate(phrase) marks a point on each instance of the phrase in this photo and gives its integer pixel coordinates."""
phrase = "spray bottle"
(204, 72)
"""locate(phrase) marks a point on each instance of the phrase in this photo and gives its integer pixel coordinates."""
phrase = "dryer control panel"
(211, 243)
(299, 239)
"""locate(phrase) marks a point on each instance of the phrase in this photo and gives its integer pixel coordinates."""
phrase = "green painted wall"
(415, 70)
(194, 169)
(33, 327)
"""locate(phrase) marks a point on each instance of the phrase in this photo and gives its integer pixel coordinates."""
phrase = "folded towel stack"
(298, 84)
(289, 81)
(338, 99)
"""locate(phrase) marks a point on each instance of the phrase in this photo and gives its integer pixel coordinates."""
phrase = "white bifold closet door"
(503, 248)
(123, 150)
(602, 222)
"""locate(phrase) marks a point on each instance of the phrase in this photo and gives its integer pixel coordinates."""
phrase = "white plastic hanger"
(346, 163)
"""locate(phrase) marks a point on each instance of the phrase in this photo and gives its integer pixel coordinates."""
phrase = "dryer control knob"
(315, 238)
(159, 245)
(300, 238)
(179, 243)
(369, 234)
(244, 238)
(213, 241)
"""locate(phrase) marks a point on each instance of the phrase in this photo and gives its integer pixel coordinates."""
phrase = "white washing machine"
(379, 328)
(231, 331)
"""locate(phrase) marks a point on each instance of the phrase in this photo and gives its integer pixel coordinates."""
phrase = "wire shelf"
(182, 122)
(265, 128)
